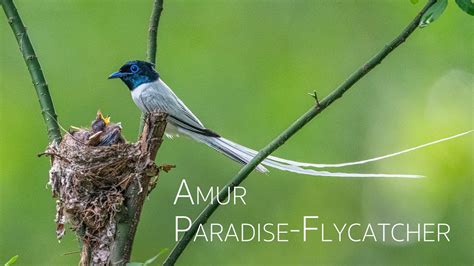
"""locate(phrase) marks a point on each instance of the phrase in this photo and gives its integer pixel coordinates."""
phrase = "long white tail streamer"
(243, 154)
(367, 160)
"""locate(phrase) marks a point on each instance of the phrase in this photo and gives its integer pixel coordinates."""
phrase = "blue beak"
(117, 74)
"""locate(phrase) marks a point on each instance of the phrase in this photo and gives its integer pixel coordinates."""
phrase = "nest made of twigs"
(89, 180)
(95, 174)
(89, 183)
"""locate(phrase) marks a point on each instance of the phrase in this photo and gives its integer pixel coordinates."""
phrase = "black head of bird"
(135, 73)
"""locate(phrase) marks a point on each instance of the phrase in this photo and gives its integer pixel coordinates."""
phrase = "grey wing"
(160, 98)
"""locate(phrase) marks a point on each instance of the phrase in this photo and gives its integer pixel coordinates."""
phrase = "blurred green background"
(245, 67)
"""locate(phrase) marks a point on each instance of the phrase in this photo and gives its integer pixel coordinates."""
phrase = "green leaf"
(433, 13)
(414, 2)
(12, 260)
(466, 5)
(150, 261)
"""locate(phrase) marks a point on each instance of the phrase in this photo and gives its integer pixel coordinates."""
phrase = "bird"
(101, 133)
(104, 132)
(151, 94)
(100, 122)
(98, 126)
(111, 135)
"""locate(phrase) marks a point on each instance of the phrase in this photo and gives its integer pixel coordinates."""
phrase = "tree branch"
(152, 41)
(153, 30)
(150, 141)
(31, 60)
(289, 132)
(127, 228)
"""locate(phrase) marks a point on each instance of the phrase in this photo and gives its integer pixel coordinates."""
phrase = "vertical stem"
(127, 223)
(127, 226)
(31, 60)
(153, 30)
(152, 41)
(290, 131)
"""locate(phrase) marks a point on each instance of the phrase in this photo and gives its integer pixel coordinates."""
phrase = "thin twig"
(295, 127)
(31, 60)
(152, 41)
(53, 155)
(315, 96)
(71, 253)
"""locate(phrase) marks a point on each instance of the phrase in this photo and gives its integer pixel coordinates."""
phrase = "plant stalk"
(127, 222)
(31, 60)
(152, 41)
(127, 225)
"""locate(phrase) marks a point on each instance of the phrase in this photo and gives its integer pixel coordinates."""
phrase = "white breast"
(136, 96)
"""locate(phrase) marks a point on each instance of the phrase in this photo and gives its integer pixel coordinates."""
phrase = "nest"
(90, 184)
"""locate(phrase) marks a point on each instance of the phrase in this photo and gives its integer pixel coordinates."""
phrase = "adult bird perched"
(151, 94)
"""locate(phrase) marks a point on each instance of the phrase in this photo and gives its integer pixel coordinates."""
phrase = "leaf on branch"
(433, 13)
(467, 6)
(149, 261)
(12, 260)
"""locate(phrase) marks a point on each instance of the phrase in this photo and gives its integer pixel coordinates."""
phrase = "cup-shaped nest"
(90, 180)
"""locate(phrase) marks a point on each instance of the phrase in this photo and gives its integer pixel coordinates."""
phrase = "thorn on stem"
(31, 57)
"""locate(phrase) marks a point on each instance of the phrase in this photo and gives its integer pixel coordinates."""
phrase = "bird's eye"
(134, 68)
